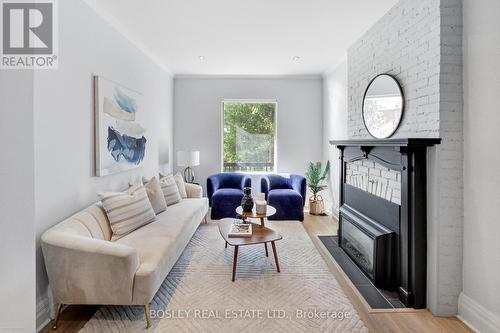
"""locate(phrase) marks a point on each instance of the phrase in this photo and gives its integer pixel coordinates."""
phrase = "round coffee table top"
(260, 234)
(270, 211)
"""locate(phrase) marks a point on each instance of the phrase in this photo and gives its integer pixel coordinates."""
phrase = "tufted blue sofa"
(225, 191)
(287, 194)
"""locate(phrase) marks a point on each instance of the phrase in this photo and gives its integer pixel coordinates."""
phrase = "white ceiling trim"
(334, 67)
(249, 77)
(125, 33)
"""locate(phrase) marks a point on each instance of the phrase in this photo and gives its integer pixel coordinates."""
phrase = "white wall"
(334, 126)
(479, 303)
(197, 119)
(17, 248)
(64, 122)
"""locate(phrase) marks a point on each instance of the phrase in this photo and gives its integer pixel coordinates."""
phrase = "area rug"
(198, 295)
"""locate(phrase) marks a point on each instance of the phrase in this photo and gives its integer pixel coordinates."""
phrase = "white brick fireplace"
(374, 178)
(420, 43)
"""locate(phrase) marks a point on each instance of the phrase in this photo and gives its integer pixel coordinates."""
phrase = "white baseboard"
(335, 213)
(44, 310)
(42, 313)
(476, 316)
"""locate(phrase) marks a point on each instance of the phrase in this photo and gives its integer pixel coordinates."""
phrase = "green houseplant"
(316, 177)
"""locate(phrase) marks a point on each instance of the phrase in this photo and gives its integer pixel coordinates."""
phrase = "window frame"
(221, 131)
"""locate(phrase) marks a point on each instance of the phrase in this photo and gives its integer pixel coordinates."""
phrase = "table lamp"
(188, 159)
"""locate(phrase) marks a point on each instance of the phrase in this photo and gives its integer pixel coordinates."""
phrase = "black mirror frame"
(400, 120)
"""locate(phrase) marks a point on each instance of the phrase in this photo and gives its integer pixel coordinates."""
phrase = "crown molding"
(249, 77)
(330, 70)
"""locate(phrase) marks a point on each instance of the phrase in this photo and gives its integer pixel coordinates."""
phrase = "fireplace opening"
(370, 245)
(358, 245)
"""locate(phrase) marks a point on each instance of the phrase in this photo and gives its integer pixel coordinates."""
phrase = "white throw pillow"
(127, 211)
(170, 190)
(181, 185)
(155, 194)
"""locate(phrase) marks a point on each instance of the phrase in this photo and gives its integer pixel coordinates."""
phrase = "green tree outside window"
(249, 135)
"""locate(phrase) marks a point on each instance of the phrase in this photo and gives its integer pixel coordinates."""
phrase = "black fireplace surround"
(386, 240)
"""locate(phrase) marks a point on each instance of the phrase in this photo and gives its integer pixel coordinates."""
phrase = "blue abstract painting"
(127, 147)
(121, 141)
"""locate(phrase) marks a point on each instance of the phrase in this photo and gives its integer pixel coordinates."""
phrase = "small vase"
(247, 201)
(261, 207)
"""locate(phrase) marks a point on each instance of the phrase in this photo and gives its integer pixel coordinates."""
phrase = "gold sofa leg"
(58, 314)
(148, 316)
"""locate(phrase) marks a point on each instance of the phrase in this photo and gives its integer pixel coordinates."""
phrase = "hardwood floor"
(386, 321)
(74, 317)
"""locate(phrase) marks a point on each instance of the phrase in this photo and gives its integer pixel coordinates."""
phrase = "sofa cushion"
(170, 190)
(284, 194)
(128, 210)
(160, 244)
(194, 190)
(224, 203)
(155, 194)
(181, 185)
(288, 203)
(228, 193)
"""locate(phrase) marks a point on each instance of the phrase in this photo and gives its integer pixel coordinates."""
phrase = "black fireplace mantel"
(386, 152)
(405, 142)
(408, 156)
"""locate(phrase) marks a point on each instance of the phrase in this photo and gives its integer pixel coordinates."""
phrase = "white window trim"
(221, 131)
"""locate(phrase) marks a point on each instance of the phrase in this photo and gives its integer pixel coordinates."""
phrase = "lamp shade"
(188, 158)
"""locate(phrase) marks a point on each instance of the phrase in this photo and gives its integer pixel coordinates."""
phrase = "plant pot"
(316, 207)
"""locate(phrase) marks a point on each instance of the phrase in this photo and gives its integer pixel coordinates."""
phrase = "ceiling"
(244, 37)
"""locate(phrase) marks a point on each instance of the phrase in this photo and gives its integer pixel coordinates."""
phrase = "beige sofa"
(85, 267)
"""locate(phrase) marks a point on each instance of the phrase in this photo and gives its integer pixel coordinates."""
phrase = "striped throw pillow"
(170, 190)
(181, 185)
(127, 211)
(155, 194)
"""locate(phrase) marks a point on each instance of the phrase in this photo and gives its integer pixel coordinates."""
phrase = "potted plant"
(316, 182)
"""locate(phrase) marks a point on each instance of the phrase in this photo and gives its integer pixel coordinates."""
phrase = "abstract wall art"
(120, 139)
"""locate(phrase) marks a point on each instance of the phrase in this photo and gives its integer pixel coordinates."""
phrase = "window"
(249, 136)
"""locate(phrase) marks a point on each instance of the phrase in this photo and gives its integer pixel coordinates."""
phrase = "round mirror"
(382, 106)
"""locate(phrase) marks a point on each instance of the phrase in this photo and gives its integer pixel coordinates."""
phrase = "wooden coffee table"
(260, 235)
(253, 213)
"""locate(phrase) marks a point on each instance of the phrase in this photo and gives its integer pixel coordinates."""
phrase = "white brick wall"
(448, 226)
(420, 43)
(404, 43)
(375, 179)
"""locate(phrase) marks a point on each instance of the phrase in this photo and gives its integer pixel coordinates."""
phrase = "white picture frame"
(120, 137)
